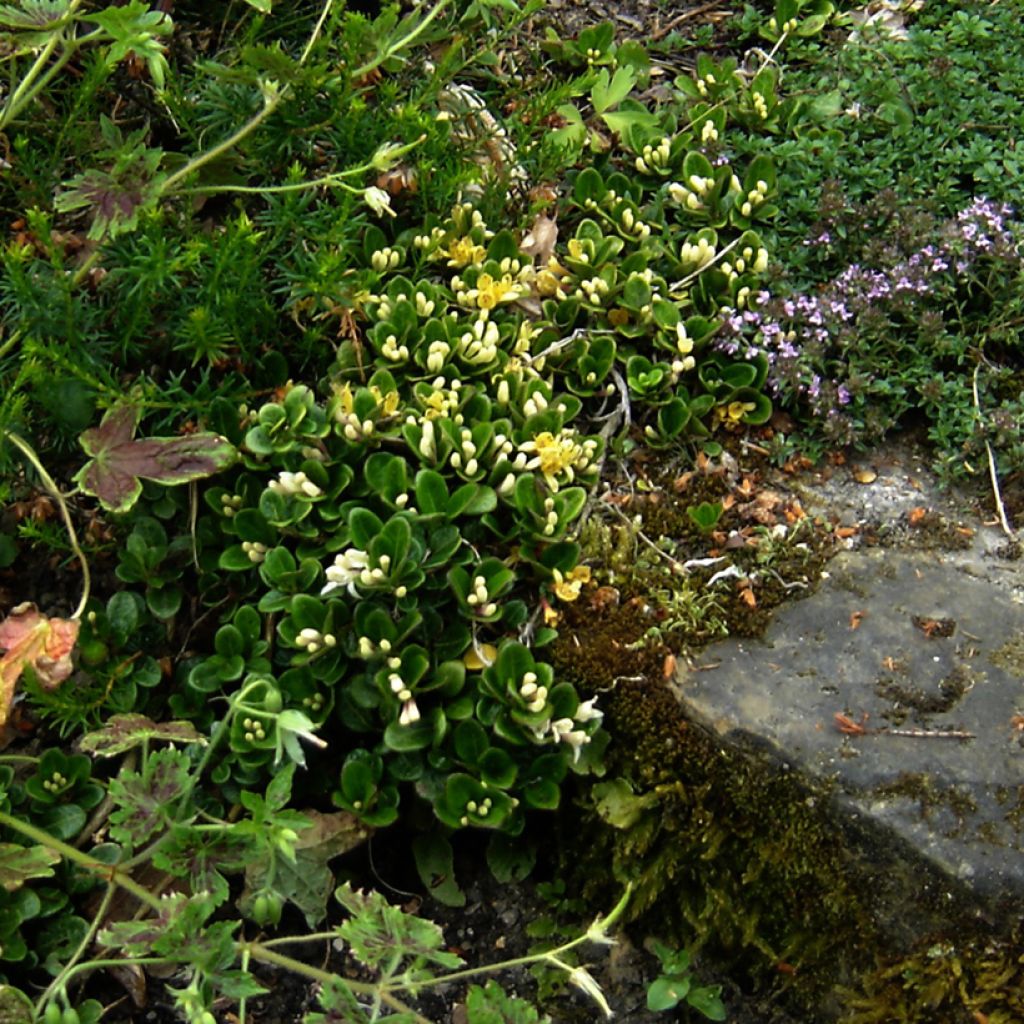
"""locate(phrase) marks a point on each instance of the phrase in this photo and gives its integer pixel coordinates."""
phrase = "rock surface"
(917, 643)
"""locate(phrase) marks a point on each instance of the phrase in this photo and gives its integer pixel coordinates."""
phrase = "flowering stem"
(61, 979)
(330, 180)
(33, 82)
(259, 951)
(597, 932)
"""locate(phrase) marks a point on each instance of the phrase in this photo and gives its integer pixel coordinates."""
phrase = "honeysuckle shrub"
(385, 559)
(408, 412)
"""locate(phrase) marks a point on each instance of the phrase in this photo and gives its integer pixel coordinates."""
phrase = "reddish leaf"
(30, 638)
(120, 461)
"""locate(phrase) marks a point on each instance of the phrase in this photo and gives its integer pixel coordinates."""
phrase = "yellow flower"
(489, 292)
(737, 410)
(345, 398)
(732, 414)
(568, 587)
(464, 251)
(684, 343)
(549, 285)
(388, 403)
(436, 404)
(552, 455)
(561, 456)
(577, 252)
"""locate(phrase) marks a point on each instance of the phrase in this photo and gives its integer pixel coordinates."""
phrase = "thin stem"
(33, 82)
(87, 264)
(595, 933)
(364, 69)
(287, 940)
(215, 739)
(116, 962)
(15, 101)
(61, 980)
(327, 179)
(270, 104)
(111, 872)
(54, 490)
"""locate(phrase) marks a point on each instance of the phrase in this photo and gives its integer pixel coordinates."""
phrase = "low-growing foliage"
(384, 296)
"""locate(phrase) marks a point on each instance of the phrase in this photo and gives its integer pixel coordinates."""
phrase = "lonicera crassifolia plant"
(381, 521)
(375, 523)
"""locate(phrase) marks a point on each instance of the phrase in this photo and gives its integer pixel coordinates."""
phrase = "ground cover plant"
(321, 331)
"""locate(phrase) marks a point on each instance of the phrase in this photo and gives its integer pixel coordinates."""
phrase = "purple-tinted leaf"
(117, 427)
(120, 461)
(125, 732)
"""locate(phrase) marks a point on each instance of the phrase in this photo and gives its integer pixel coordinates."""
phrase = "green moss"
(1010, 657)
(907, 697)
(740, 860)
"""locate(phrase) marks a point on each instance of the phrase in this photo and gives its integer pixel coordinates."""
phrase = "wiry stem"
(29, 453)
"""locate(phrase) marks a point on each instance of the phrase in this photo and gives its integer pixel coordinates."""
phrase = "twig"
(680, 18)
(676, 565)
(846, 725)
(993, 475)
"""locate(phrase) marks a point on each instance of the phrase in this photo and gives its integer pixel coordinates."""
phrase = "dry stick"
(993, 476)
(685, 16)
(849, 727)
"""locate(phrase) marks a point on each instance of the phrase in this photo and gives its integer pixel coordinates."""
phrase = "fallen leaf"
(120, 461)
(746, 488)
(916, 515)
(31, 639)
(476, 660)
(795, 512)
(843, 532)
(747, 595)
(540, 240)
(668, 668)
(845, 724)
(855, 619)
(865, 476)
(797, 464)
(935, 627)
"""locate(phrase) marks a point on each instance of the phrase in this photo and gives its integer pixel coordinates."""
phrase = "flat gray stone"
(895, 639)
